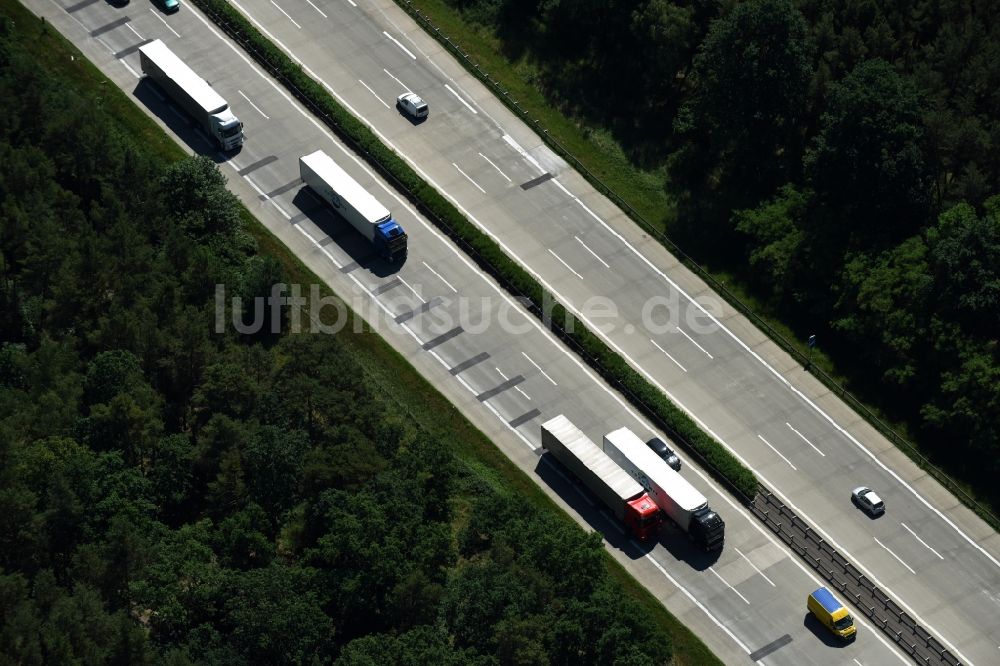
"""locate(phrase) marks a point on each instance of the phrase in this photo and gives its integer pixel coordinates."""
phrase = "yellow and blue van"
(832, 614)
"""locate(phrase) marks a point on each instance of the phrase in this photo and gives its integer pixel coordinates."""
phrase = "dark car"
(167, 6)
(661, 449)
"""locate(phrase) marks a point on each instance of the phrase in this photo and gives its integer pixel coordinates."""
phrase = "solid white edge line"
(761, 438)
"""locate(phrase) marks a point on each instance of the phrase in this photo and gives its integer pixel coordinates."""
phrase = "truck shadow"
(588, 506)
(816, 627)
(677, 543)
(179, 122)
(339, 231)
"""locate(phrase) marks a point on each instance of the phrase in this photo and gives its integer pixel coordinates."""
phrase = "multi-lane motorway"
(507, 374)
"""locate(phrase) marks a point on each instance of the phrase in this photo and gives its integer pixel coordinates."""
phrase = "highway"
(507, 374)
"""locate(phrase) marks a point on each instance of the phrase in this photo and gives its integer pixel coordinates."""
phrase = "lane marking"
(439, 276)
(587, 248)
(397, 42)
(565, 264)
(317, 9)
(129, 26)
(353, 4)
(755, 567)
(459, 98)
(857, 662)
(415, 292)
(516, 388)
(160, 19)
(405, 87)
(286, 15)
(496, 167)
(705, 351)
(374, 94)
(668, 355)
(544, 374)
(712, 569)
(792, 428)
(252, 104)
(898, 558)
(467, 178)
(522, 152)
(921, 541)
(694, 600)
(777, 451)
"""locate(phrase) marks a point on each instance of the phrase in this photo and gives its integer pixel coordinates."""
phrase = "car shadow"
(821, 632)
(676, 542)
(339, 231)
(413, 120)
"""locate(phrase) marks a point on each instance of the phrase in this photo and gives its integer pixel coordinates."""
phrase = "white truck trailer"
(677, 498)
(355, 204)
(609, 482)
(192, 93)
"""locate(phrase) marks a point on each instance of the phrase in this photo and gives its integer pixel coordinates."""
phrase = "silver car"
(412, 105)
(866, 499)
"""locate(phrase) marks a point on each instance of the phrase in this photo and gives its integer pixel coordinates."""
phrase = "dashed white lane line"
(374, 94)
(761, 438)
(667, 354)
(242, 94)
(397, 43)
(286, 15)
(544, 374)
(898, 558)
(803, 437)
(439, 276)
(129, 26)
(695, 343)
(516, 388)
(693, 599)
(415, 292)
(406, 88)
(317, 9)
(712, 569)
(160, 19)
(755, 567)
(587, 248)
(468, 178)
(460, 99)
(565, 264)
(352, 3)
(857, 662)
(921, 541)
(496, 167)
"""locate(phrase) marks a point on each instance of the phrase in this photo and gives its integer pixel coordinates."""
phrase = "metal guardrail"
(844, 577)
(802, 358)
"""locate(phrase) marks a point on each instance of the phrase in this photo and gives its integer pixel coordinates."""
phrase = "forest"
(173, 495)
(838, 159)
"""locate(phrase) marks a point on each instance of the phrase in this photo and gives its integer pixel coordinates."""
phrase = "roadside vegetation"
(834, 165)
(169, 494)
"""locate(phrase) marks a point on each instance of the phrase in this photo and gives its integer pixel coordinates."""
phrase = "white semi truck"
(192, 93)
(677, 498)
(355, 204)
(609, 482)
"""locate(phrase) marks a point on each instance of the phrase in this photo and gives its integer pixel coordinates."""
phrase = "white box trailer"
(677, 498)
(355, 204)
(609, 482)
(192, 93)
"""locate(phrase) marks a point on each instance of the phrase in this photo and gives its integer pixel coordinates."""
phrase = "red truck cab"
(643, 517)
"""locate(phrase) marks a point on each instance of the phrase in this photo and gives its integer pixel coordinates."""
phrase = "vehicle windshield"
(844, 623)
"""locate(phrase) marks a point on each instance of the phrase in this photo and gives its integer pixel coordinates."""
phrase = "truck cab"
(390, 241)
(643, 518)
